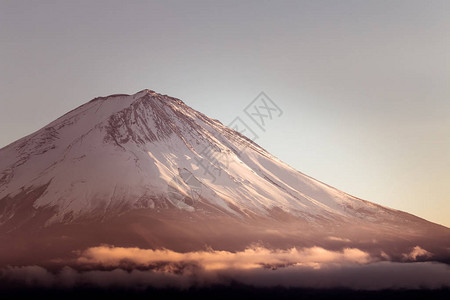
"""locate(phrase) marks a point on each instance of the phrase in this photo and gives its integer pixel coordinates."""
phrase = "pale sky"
(364, 85)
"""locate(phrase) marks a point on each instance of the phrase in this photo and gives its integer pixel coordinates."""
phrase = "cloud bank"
(134, 268)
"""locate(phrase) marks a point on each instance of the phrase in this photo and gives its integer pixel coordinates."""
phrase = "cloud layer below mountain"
(116, 267)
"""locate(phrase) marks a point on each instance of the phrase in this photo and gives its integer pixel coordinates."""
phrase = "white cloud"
(338, 239)
(117, 267)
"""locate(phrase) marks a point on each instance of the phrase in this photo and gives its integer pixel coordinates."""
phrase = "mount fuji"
(146, 170)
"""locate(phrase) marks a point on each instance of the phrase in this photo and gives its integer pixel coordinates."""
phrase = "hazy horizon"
(363, 85)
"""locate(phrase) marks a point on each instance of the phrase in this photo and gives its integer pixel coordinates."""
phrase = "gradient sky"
(364, 85)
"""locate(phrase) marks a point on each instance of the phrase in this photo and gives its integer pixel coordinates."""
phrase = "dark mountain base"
(184, 232)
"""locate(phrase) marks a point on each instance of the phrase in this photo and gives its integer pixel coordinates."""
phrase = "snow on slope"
(122, 152)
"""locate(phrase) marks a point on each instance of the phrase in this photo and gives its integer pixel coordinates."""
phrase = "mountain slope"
(184, 176)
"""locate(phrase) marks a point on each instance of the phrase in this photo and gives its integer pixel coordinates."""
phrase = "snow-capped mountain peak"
(111, 153)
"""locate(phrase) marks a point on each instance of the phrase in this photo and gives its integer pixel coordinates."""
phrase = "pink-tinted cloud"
(416, 253)
(250, 258)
